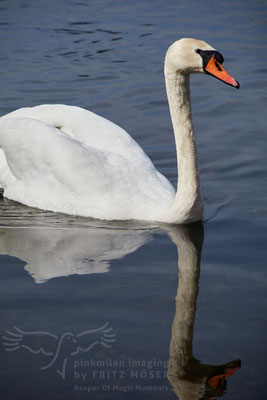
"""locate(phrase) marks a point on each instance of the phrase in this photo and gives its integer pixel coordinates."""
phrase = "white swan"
(67, 159)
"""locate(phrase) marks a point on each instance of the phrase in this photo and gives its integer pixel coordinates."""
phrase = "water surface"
(70, 283)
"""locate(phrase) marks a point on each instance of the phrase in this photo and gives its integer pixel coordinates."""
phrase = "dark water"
(89, 306)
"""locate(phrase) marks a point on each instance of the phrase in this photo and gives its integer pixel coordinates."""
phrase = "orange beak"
(215, 381)
(215, 68)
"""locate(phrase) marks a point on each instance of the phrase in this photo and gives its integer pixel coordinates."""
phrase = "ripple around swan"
(17, 215)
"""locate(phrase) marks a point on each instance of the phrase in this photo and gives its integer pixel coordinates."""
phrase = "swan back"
(85, 126)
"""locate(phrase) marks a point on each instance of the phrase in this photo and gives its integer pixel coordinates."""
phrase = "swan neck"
(188, 198)
(178, 93)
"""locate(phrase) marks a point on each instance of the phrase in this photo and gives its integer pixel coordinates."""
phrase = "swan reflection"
(51, 253)
(191, 379)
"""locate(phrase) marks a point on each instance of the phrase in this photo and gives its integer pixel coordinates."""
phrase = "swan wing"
(51, 170)
(84, 125)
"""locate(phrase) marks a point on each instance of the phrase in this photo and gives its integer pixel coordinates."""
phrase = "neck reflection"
(191, 379)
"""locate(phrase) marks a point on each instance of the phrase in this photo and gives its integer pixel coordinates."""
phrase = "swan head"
(188, 56)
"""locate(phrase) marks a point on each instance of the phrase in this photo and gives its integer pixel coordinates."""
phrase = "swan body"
(98, 171)
(67, 159)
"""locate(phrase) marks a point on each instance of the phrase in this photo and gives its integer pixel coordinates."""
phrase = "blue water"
(70, 283)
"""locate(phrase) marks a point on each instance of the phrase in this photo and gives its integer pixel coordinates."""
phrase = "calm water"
(91, 306)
